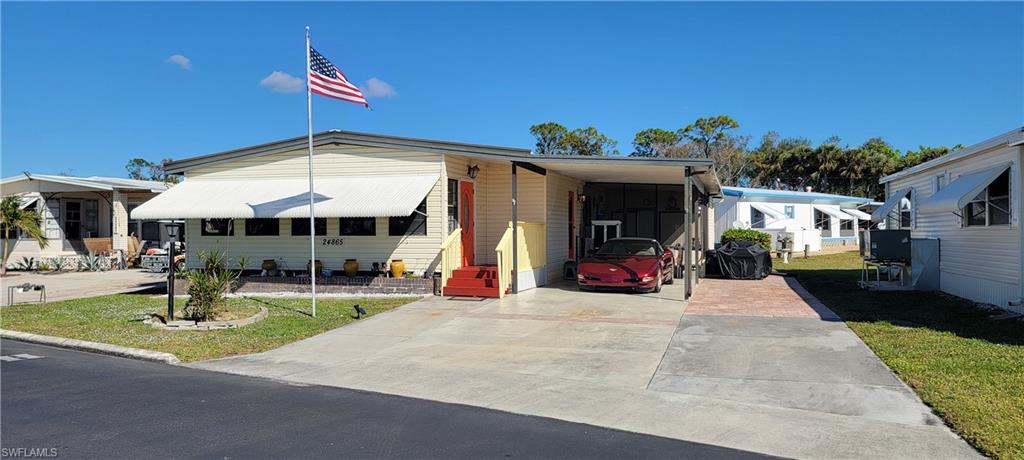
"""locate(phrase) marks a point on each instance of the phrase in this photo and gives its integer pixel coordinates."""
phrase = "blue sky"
(85, 87)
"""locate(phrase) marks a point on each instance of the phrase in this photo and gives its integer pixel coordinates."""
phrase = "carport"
(667, 199)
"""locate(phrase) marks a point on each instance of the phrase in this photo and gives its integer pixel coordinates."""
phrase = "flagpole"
(312, 224)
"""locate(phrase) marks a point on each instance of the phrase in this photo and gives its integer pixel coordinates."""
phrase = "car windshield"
(627, 248)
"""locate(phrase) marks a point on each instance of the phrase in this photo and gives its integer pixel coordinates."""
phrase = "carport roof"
(631, 169)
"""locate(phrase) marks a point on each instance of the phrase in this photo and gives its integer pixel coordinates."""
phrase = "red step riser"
(471, 292)
(472, 283)
(467, 274)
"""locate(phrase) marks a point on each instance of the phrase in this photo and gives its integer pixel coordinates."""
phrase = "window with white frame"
(991, 206)
(790, 211)
(756, 218)
(822, 221)
(906, 211)
(453, 205)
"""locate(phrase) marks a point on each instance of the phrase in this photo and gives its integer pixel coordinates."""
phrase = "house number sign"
(332, 241)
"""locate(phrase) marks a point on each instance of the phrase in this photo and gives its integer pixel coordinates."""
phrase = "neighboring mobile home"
(79, 213)
(438, 206)
(970, 200)
(814, 219)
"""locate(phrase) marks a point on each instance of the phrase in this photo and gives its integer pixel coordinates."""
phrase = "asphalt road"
(94, 406)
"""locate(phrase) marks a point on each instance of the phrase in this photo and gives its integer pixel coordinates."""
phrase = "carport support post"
(515, 230)
(688, 223)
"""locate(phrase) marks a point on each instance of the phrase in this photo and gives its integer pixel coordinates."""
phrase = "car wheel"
(657, 286)
(671, 278)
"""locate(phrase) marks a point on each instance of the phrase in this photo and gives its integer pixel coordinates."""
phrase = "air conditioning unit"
(886, 245)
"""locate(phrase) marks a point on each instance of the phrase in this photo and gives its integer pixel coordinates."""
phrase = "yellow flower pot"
(397, 268)
(351, 267)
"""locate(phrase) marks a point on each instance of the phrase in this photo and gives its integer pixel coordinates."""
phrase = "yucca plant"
(208, 285)
(14, 218)
(26, 264)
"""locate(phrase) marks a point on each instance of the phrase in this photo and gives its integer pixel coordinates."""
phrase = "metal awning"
(353, 196)
(833, 212)
(28, 199)
(958, 193)
(767, 210)
(856, 213)
(879, 214)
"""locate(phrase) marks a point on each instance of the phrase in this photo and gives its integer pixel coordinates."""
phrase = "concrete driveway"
(75, 285)
(725, 376)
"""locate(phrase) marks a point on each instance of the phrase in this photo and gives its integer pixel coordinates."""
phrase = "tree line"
(786, 163)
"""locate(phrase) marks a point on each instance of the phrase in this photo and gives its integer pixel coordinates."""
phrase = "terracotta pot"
(397, 268)
(351, 267)
(319, 266)
(269, 265)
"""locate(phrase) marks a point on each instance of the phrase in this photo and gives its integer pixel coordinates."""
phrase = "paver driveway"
(637, 363)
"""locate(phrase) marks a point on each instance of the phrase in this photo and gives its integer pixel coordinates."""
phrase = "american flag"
(326, 79)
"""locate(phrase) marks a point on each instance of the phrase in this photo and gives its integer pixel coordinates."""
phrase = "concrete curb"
(95, 347)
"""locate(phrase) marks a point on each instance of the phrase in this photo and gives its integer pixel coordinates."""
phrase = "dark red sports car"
(635, 263)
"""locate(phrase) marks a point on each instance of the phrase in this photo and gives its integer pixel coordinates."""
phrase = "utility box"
(887, 245)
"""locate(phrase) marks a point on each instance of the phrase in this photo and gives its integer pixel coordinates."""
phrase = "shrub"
(746, 234)
(208, 285)
(26, 264)
(60, 263)
(92, 263)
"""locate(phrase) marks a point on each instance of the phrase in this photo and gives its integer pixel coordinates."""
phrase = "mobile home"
(817, 220)
(970, 200)
(438, 206)
(80, 214)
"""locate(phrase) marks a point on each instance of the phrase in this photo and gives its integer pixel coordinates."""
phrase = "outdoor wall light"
(473, 171)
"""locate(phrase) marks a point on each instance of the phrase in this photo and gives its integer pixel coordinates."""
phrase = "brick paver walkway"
(774, 296)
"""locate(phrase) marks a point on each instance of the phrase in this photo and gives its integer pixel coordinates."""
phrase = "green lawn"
(116, 319)
(967, 367)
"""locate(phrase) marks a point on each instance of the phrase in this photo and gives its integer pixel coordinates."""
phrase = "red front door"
(467, 220)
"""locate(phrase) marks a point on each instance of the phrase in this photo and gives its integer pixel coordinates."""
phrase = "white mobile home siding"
(420, 253)
(978, 263)
(735, 209)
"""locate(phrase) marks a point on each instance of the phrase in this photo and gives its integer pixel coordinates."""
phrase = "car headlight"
(647, 279)
(580, 276)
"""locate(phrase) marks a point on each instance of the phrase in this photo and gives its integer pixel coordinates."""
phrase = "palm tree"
(13, 218)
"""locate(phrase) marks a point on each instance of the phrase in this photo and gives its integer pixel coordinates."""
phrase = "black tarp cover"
(744, 260)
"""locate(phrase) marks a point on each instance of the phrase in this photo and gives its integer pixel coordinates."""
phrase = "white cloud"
(281, 82)
(180, 61)
(378, 88)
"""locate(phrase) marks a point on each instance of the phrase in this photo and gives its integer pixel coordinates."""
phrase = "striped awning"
(353, 196)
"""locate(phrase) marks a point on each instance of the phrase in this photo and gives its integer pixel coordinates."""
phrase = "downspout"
(515, 230)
